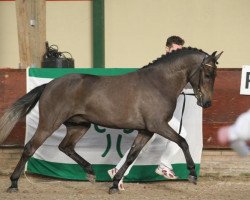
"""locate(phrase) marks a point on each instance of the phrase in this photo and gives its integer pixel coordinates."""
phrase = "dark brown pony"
(143, 100)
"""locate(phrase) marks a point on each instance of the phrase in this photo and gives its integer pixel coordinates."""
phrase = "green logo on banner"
(109, 143)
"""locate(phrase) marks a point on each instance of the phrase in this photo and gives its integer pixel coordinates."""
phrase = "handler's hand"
(223, 135)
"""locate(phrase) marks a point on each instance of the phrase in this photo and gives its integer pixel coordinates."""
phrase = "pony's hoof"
(113, 190)
(12, 190)
(192, 179)
(91, 178)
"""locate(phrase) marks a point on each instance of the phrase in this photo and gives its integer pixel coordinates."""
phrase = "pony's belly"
(116, 121)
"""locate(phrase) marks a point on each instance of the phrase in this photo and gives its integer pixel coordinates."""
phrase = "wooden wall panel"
(12, 86)
(228, 104)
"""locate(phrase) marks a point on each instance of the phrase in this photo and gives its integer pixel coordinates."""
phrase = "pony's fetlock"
(114, 190)
(192, 179)
(13, 188)
(91, 178)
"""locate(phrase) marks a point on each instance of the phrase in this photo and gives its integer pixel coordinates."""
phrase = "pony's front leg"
(141, 139)
(170, 134)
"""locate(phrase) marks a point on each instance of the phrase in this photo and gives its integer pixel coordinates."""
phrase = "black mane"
(172, 54)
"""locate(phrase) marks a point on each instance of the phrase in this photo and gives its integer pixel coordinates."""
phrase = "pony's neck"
(174, 69)
(177, 77)
(168, 79)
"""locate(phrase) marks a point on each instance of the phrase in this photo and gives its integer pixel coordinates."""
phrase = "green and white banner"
(104, 147)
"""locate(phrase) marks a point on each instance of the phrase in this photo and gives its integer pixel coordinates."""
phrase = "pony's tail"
(19, 110)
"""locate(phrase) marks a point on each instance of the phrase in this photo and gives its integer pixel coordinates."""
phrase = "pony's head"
(202, 80)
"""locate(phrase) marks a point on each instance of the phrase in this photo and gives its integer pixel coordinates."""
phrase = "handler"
(165, 167)
(237, 134)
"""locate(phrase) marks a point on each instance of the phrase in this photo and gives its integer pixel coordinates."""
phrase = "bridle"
(198, 94)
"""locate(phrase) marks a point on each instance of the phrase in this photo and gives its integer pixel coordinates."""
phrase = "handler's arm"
(241, 128)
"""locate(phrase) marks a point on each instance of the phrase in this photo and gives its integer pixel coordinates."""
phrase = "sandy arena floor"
(221, 188)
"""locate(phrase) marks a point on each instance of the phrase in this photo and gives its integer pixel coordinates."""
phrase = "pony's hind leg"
(37, 140)
(141, 139)
(74, 134)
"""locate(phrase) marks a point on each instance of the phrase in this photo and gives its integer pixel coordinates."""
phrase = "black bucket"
(58, 63)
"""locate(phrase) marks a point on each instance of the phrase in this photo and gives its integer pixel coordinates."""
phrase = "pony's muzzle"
(204, 104)
(207, 104)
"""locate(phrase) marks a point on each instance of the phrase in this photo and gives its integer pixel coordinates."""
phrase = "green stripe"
(55, 72)
(98, 33)
(138, 173)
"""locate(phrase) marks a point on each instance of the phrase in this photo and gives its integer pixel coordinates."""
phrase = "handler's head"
(174, 43)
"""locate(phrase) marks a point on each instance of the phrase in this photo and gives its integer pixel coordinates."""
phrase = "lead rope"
(183, 109)
(36, 183)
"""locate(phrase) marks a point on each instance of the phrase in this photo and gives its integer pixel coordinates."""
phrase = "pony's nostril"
(207, 104)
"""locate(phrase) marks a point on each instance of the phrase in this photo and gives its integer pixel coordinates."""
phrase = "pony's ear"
(214, 53)
(218, 56)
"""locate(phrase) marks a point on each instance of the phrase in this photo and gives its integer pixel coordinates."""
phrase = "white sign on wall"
(245, 80)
